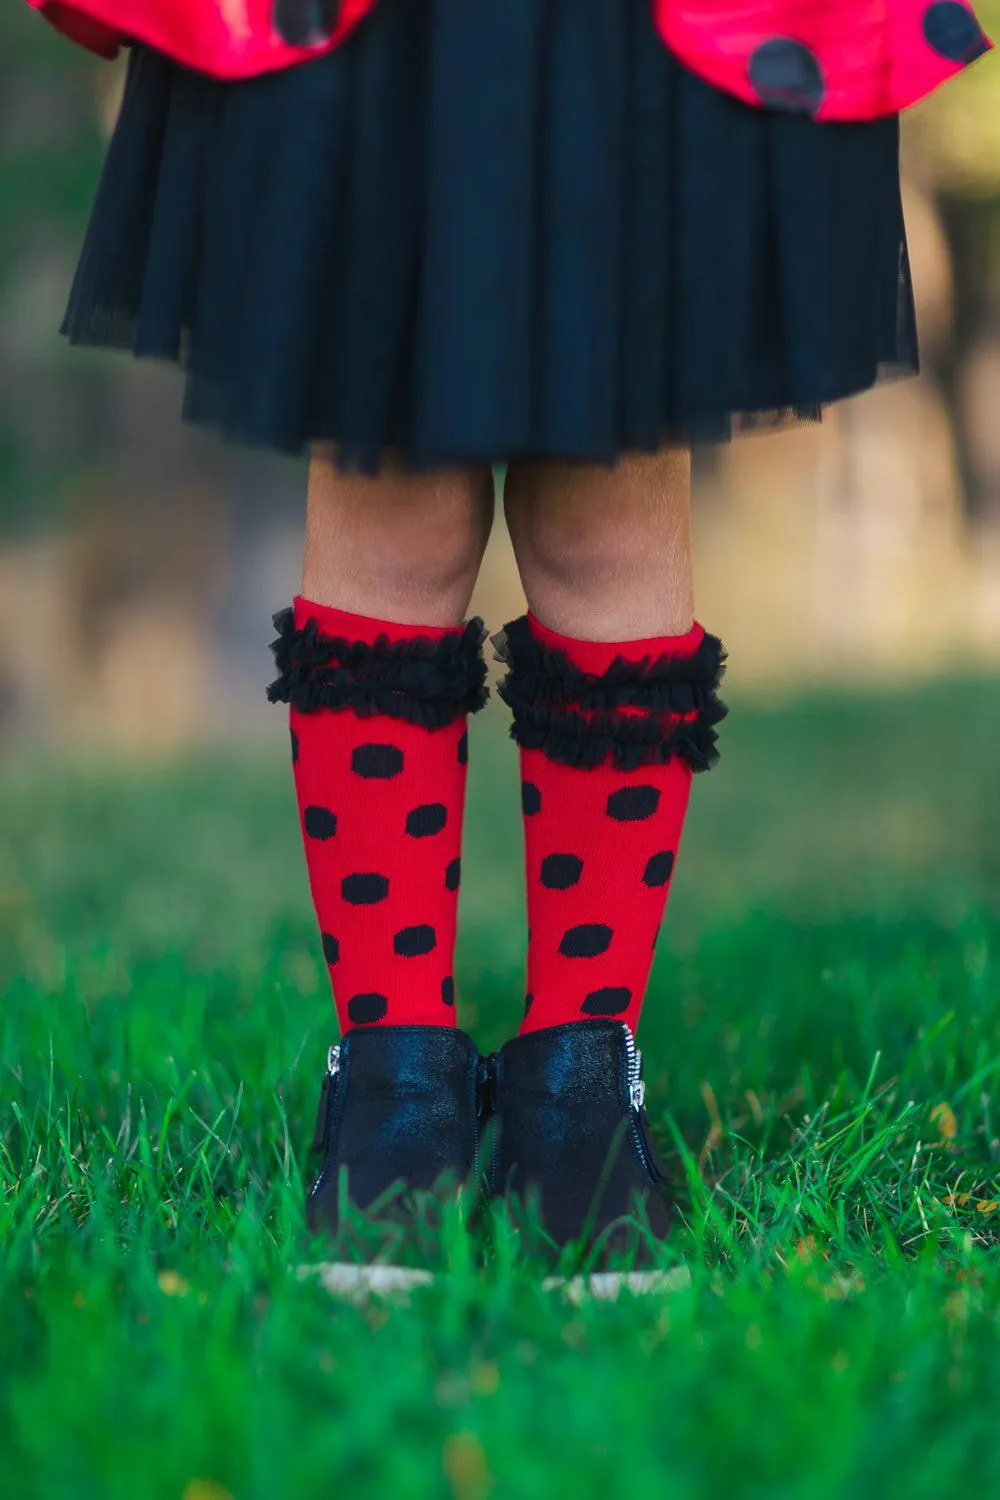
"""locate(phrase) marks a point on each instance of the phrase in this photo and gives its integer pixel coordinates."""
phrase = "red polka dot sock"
(380, 750)
(609, 736)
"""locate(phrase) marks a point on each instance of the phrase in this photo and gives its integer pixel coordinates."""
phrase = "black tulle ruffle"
(661, 684)
(574, 716)
(426, 681)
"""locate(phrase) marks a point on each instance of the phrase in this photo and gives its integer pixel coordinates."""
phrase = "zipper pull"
(322, 1137)
(636, 1085)
(488, 1069)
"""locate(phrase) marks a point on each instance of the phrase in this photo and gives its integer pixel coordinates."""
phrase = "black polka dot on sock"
(609, 1001)
(331, 948)
(453, 875)
(295, 746)
(586, 941)
(427, 819)
(463, 748)
(786, 74)
(659, 868)
(364, 890)
(531, 799)
(952, 31)
(529, 1001)
(560, 871)
(448, 991)
(630, 804)
(377, 762)
(364, 1009)
(410, 942)
(319, 822)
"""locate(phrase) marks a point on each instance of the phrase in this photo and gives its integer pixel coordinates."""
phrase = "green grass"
(829, 977)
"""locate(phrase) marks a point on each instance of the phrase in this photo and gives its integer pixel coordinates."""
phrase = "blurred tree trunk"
(969, 371)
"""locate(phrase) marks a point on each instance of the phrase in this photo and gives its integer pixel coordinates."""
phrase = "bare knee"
(554, 532)
(400, 545)
(604, 551)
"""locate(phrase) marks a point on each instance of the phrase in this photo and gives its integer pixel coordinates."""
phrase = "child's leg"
(605, 559)
(380, 676)
(612, 687)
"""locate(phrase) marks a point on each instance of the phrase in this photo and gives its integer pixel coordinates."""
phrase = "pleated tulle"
(481, 232)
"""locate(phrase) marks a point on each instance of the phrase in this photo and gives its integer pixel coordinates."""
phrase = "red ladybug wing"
(833, 59)
(225, 38)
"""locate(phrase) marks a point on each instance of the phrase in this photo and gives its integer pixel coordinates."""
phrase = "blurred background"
(140, 561)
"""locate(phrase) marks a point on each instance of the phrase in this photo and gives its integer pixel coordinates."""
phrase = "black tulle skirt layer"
(484, 232)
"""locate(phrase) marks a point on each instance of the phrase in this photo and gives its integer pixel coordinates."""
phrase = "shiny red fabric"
(224, 38)
(832, 59)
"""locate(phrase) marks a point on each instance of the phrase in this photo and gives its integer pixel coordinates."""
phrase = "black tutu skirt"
(482, 232)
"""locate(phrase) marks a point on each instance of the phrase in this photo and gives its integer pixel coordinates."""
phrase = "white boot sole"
(358, 1283)
(605, 1286)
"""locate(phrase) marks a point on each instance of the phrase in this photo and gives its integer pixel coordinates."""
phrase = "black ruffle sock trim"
(575, 717)
(426, 681)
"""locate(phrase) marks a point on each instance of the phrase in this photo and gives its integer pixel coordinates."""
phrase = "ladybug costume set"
(457, 233)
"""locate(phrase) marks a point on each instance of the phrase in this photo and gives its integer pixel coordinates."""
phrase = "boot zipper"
(482, 1104)
(326, 1097)
(637, 1097)
(636, 1086)
(488, 1069)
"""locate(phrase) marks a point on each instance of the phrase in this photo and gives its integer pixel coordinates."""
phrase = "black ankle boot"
(570, 1131)
(399, 1110)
